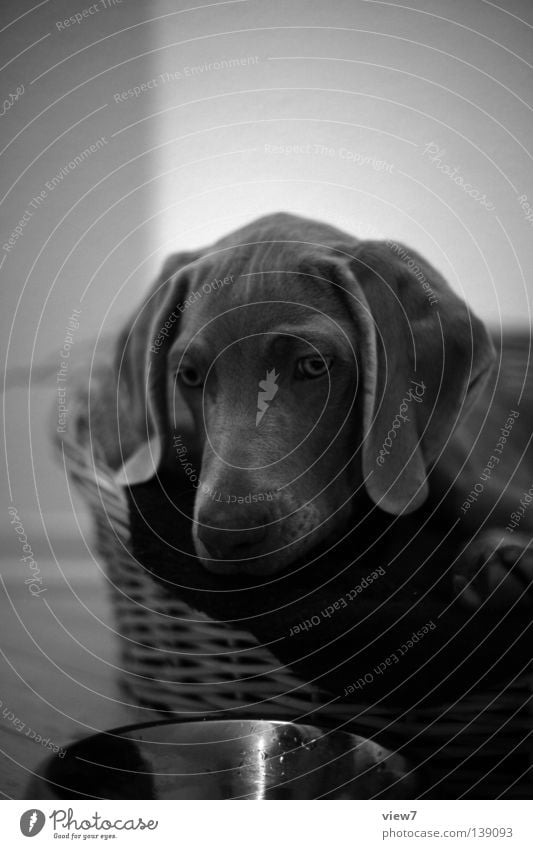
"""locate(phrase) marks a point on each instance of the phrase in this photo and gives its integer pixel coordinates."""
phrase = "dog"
(308, 393)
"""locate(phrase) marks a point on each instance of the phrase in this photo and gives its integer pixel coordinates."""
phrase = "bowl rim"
(45, 779)
(205, 720)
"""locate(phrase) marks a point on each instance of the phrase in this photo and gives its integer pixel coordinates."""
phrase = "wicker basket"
(180, 663)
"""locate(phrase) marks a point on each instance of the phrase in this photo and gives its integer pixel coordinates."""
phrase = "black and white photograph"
(267, 460)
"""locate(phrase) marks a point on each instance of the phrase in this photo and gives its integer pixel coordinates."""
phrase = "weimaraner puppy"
(305, 388)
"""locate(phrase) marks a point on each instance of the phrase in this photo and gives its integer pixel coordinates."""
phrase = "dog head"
(290, 370)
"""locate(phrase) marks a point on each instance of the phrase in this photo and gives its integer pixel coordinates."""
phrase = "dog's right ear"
(424, 364)
(141, 371)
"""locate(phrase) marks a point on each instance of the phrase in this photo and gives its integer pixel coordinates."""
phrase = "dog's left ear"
(141, 369)
(425, 358)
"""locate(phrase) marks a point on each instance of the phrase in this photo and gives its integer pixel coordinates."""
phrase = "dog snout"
(231, 536)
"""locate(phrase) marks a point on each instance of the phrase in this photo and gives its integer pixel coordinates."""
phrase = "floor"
(58, 665)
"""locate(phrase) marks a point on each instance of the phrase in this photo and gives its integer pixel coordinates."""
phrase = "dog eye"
(190, 377)
(311, 367)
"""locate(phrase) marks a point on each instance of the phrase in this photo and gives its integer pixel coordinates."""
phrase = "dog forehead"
(258, 289)
(251, 324)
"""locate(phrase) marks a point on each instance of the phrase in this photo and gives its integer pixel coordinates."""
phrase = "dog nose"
(232, 536)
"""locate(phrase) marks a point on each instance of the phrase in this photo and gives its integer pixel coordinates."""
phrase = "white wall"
(374, 82)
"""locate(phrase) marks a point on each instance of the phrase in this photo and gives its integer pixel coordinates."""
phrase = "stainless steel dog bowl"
(224, 759)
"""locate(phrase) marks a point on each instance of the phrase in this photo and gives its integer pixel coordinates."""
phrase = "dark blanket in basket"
(402, 641)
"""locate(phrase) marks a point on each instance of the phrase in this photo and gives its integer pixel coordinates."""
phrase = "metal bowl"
(224, 759)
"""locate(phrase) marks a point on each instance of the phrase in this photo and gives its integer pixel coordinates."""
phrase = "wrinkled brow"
(323, 335)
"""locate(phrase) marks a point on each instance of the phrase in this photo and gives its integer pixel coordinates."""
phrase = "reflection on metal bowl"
(225, 759)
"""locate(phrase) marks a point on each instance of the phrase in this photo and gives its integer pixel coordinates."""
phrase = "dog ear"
(425, 358)
(141, 370)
